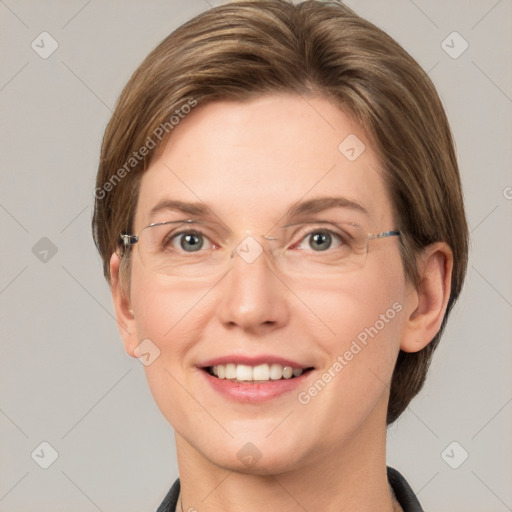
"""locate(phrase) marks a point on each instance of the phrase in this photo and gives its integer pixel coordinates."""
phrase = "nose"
(253, 296)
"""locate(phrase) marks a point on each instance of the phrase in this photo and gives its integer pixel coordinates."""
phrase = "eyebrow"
(298, 209)
(320, 204)
(195, 209)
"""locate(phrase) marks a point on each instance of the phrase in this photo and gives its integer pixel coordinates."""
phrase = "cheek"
(171, 315)
(358, 302)
(359, 337)
(167, 311)
(359, 322)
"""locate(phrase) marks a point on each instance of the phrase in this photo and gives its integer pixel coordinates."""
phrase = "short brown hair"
(254, 47)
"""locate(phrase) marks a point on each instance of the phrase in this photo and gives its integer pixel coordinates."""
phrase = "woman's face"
(320, 308)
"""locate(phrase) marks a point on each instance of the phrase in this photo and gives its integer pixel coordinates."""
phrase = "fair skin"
(249, 162)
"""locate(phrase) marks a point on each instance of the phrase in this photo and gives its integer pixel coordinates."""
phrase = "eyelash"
(168, 240)
(344, 240)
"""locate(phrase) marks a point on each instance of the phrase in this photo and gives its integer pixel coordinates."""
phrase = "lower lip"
(254, 391)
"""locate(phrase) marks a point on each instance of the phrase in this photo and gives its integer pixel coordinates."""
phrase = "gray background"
(64, 376)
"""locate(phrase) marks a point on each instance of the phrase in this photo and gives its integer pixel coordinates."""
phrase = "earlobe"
(427, 304)
(124, 313)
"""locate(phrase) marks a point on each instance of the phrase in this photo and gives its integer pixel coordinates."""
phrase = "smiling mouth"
(260, 373)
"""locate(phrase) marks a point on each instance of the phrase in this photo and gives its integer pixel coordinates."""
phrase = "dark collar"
(403, 492)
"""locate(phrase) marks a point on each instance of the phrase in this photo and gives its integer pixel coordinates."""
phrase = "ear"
(426, 304)
(122, 305)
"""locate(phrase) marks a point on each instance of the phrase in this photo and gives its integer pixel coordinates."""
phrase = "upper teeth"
(243, 372)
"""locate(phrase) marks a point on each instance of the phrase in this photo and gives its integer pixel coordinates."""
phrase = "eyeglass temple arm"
(386, 234)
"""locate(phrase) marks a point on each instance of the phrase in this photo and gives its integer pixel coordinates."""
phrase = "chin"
(270, 463)
(252, 454)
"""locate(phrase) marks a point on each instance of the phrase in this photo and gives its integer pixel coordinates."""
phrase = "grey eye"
(320, 240)
(190, 242)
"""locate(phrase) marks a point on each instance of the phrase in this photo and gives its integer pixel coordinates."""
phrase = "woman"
(280, 217)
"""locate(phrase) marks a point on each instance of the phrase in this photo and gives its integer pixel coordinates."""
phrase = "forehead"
(252, 161)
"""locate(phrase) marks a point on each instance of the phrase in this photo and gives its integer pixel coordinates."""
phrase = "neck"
(350, 477)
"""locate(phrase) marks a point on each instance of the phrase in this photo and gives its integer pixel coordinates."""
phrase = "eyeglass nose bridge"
(249, 249)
